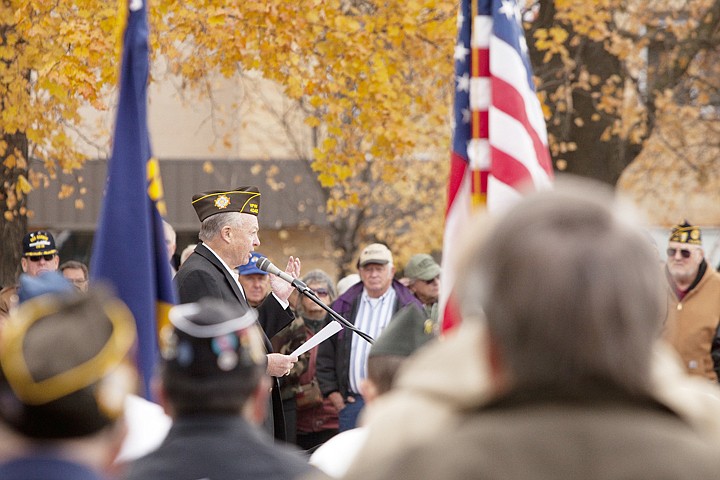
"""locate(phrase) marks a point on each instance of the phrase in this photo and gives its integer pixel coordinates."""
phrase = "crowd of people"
(581, 353)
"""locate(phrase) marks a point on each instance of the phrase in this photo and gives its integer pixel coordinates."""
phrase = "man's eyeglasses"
(37, 258)
(321, 292)
(684, 252)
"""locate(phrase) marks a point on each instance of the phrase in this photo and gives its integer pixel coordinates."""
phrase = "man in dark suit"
(228, 235)
(213, 384)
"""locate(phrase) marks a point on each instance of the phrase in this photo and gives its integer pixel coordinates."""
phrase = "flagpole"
(499, 147)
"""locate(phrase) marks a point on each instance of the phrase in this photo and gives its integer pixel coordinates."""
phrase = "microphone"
(267, 266)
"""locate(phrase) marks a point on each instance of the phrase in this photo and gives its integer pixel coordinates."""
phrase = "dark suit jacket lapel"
(203, 250)
(273, 427)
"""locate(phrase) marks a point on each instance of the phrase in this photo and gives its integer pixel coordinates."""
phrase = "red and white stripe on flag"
(499, 145)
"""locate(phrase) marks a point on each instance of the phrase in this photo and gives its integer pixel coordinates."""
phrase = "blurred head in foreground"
(65, 372)
(569, 288)
(214, 361)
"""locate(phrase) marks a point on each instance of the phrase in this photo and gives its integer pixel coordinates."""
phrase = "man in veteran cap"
(64, 378)
(39, 256)
(213, 384)
(693, 303)
(228, 236)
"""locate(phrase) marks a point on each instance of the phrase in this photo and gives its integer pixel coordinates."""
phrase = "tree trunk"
(571, 121)
(603, 160)
(345, 239)
(13, 222)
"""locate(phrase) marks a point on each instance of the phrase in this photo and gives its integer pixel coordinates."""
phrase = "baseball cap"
(38, 243)
(422, 266)
(375, 253)
(251, 267)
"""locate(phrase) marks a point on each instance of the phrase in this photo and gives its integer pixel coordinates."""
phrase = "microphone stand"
(305, 290)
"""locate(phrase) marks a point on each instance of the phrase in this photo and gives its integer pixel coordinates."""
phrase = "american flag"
(499, 145)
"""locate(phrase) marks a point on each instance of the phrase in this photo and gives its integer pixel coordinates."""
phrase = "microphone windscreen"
(263, 264)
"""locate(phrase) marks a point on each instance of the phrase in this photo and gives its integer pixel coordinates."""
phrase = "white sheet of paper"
(328, 331)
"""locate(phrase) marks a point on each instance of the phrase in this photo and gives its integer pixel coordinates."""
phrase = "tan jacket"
(550, 441)
(448, 378)
(8, 300)
(692, 323)
(438, 383)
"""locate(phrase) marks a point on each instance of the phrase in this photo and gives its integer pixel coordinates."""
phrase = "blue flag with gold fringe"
(129, 251)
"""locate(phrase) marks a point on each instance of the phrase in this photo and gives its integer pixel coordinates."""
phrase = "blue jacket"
(333, 360)
(47, 468)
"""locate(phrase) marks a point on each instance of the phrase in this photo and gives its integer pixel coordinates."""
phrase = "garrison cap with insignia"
(241, 199)
(64, 370)
(405, 333)
(212, 339)
(686, 233)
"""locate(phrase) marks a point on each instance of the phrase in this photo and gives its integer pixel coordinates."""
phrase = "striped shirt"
(372, 317)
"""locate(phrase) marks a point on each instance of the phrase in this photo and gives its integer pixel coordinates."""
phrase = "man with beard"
(693, 303)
